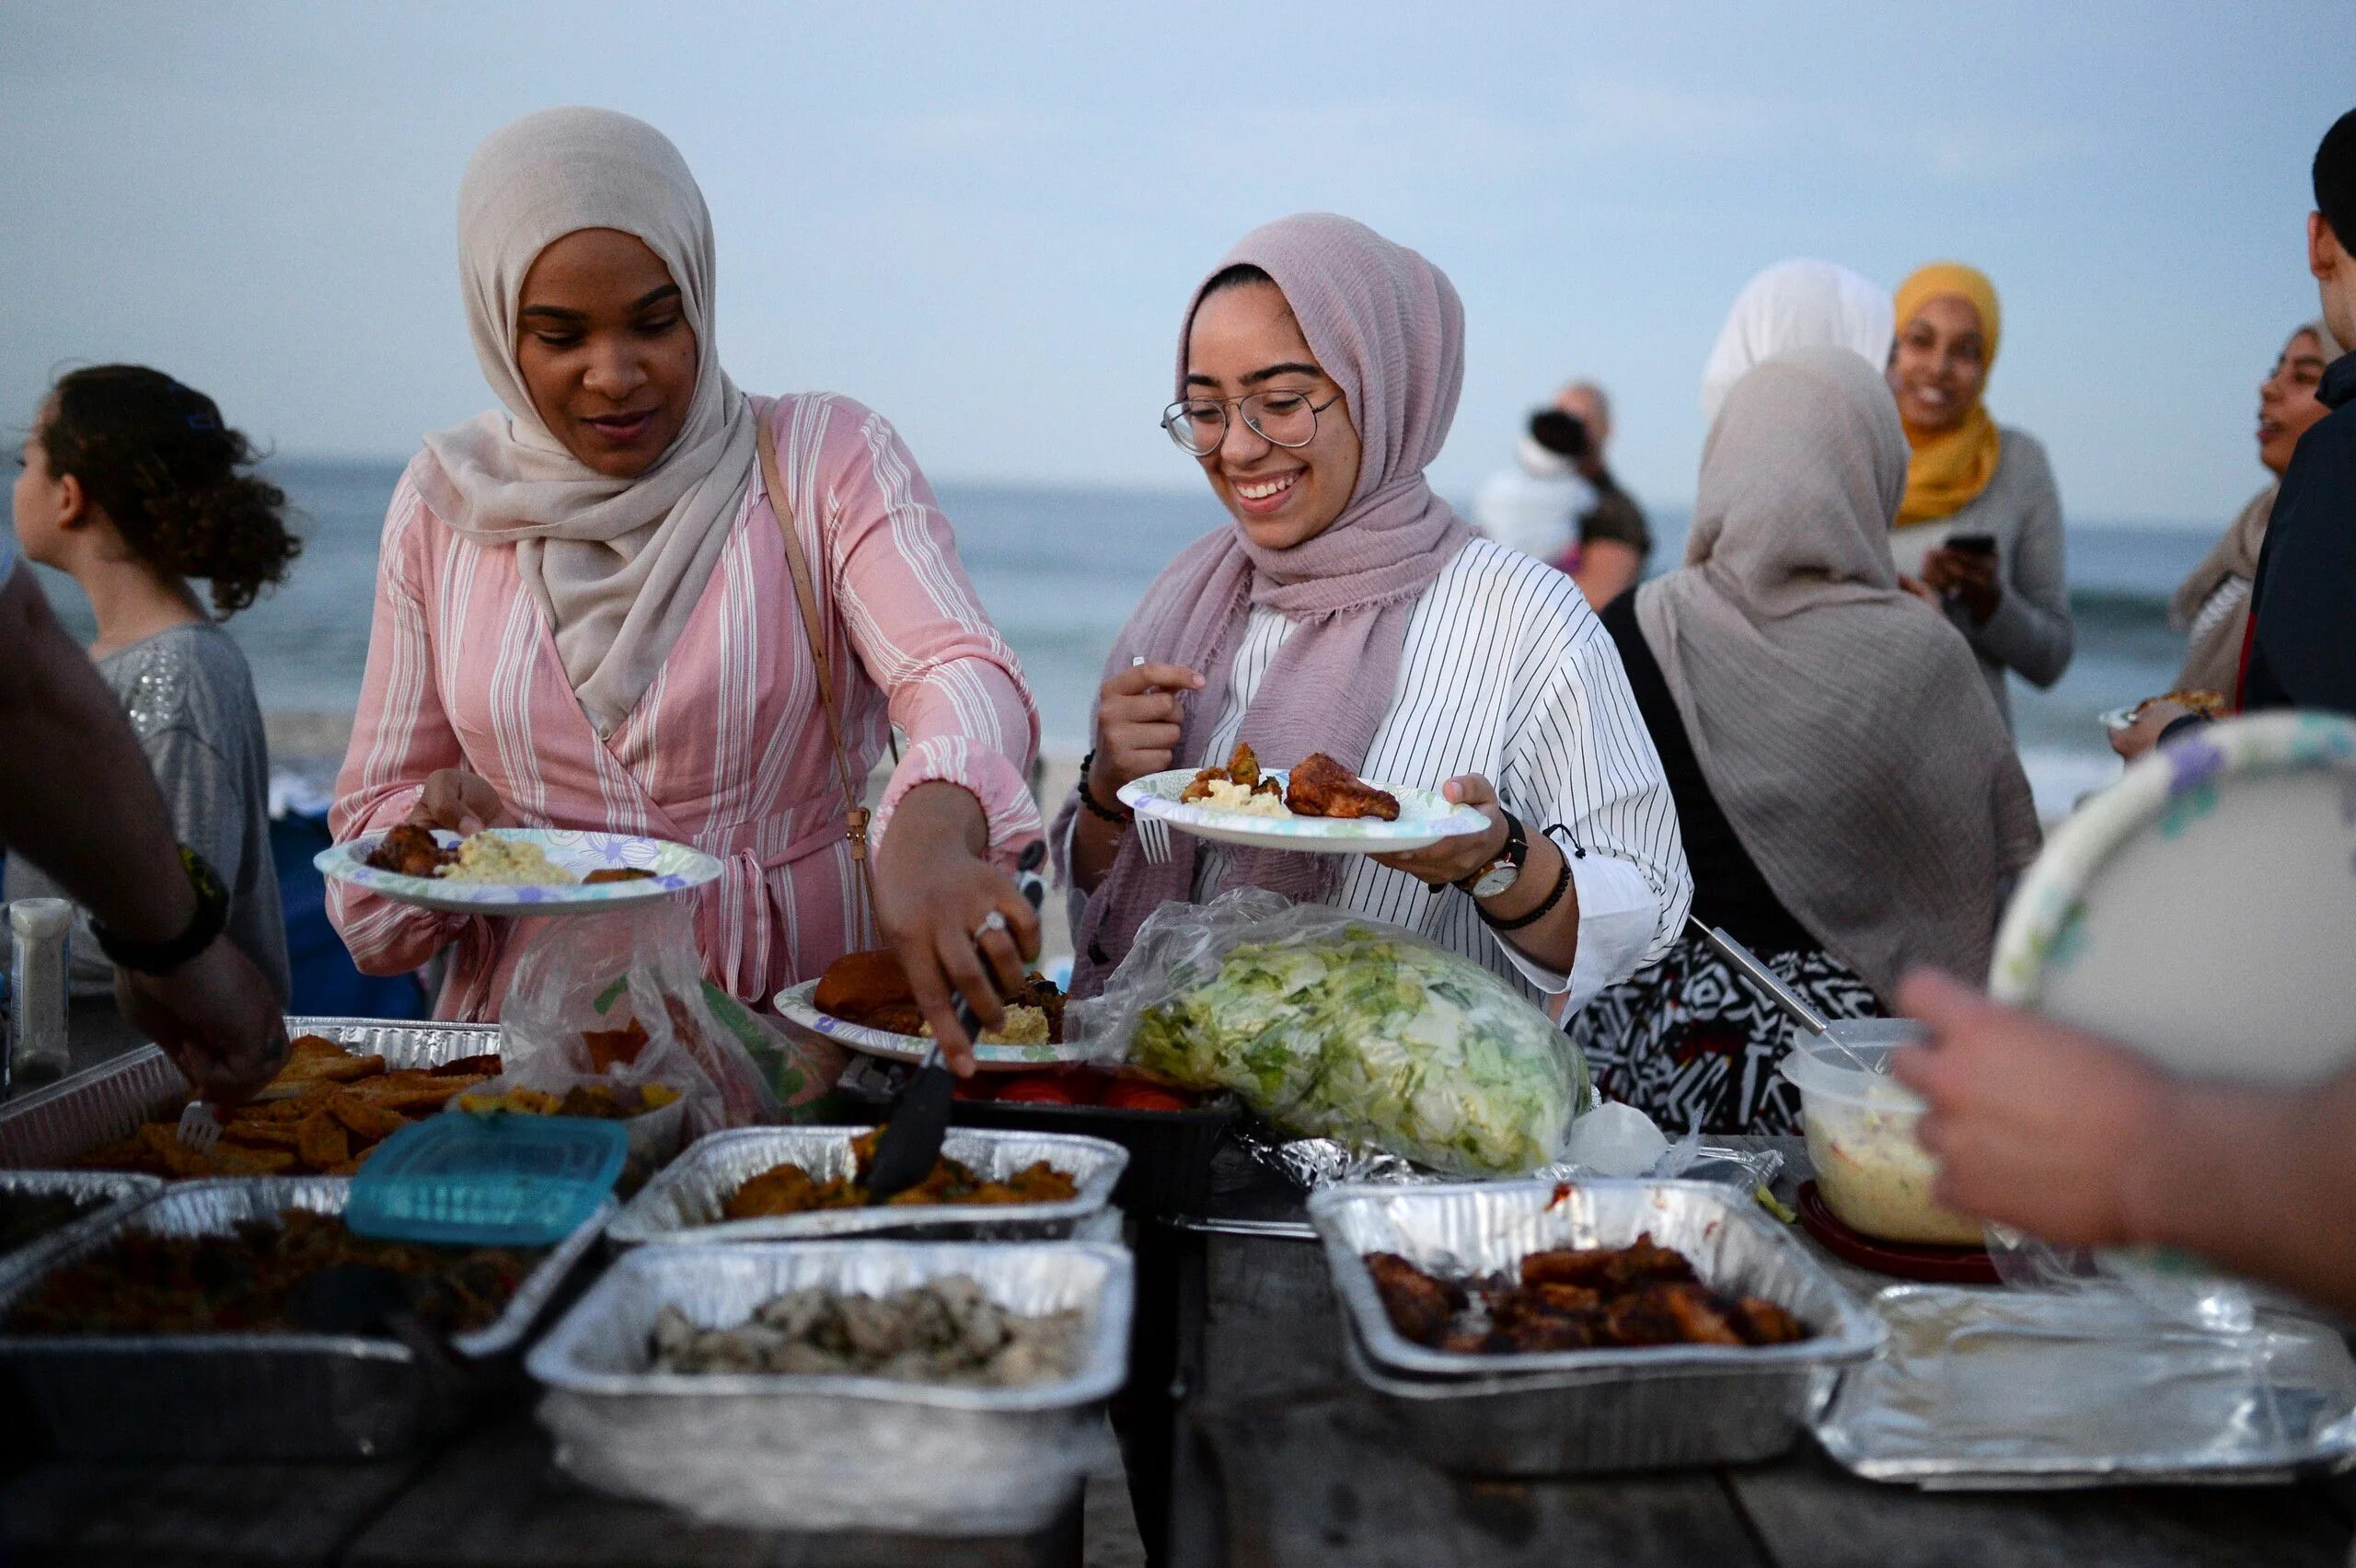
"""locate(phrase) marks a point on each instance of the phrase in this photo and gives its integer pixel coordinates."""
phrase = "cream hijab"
(616, 565)
(1790, 305)
(1841, 724)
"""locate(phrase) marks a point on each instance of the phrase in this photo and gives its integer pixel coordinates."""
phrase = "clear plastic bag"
(1331, 1025)
(587, 989)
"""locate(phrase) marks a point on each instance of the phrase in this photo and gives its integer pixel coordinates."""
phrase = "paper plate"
(1425, 817)
(2204, 908)
(794, 1006)
(676, 869)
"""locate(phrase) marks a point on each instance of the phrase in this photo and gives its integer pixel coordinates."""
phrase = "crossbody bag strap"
(797, 562)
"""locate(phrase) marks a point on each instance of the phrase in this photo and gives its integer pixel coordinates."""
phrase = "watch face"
(1496, 879)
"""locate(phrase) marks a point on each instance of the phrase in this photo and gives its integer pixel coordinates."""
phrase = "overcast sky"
(983, 219)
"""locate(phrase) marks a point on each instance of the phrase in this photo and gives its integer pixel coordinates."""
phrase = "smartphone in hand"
(1973, 544)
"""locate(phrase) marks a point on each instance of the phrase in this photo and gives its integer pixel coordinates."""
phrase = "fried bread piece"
(1320, 786)
(617, 874)
(320, 1139)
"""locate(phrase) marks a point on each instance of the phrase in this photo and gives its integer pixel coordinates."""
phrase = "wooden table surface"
(1283, 1459)
(1269, 1454)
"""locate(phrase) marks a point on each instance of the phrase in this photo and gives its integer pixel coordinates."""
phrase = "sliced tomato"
(1036, 1088)
(1128, 1095)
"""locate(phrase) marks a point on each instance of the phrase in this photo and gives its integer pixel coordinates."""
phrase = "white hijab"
(1795, 304)
(616, 565)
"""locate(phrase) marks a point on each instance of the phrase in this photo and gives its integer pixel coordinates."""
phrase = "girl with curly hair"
(132, 484)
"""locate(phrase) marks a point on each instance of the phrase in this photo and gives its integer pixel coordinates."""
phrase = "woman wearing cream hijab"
(586, 616)
(1980, 531)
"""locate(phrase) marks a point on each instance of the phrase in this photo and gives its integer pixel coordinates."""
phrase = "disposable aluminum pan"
(2032, 1389)
(1570, 1412)
(58, 1124)
(251, 1396)
(683, 1204)
(779, 1452)
(108, 1194)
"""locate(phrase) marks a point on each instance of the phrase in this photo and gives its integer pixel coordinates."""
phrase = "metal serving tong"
(1770, 985)
(910, 1144)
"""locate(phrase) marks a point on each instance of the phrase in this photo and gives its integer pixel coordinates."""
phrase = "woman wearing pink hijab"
(1347, 610)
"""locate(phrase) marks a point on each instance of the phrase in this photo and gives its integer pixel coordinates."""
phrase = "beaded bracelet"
(1121, 818)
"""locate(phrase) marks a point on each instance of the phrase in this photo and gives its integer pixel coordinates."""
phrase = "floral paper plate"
(1426, 816)
(2204, 908)
(794, 1006)
(676, 869)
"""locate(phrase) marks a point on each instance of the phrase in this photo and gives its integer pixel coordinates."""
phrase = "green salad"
(1378, 1041)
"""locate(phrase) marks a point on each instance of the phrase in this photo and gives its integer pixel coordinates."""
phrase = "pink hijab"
(1387, 326)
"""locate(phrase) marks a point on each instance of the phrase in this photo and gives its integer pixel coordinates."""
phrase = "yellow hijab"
(1950, 467)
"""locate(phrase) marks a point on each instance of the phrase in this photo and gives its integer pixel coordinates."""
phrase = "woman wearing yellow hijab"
(1979, 530)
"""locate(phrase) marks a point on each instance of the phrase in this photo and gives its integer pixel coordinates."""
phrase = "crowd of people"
(633, 596)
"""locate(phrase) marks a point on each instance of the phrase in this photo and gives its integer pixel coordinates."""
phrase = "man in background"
(1560, 501)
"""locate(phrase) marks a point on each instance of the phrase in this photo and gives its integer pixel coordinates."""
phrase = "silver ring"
(997, 922)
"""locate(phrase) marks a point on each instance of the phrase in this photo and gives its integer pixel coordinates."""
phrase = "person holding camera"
(1560, 502)
(1980, 531)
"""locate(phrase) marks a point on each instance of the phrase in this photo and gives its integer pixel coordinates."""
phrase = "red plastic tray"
(1906, 1260)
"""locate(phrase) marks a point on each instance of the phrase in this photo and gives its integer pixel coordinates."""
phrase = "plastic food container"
(1860, 1136)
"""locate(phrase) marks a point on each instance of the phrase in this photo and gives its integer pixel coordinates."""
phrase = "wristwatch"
(161, 958)
(1505, 870)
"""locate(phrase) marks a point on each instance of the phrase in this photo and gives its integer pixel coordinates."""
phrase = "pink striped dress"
(728, 748)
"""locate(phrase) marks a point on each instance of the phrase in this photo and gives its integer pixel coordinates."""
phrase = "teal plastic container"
(501, 1180)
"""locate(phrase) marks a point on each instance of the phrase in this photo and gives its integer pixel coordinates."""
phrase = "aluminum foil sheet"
(59, 1123)
(684, 1201)
(251, 1395)
(1314, 1164)
(1487, 1229)
(831, 1453)
(2014, 1387)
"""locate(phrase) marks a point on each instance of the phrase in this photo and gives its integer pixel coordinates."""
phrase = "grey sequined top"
(190, 699)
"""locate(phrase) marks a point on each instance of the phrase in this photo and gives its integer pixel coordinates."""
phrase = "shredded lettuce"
(1376, 1041)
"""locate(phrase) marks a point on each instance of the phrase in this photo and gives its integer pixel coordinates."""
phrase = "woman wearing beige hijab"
(1848, 797)
(587, 617)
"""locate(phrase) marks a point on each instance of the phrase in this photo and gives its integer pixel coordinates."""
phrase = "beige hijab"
(616, 565)
(2212, 660)
(1841, 724)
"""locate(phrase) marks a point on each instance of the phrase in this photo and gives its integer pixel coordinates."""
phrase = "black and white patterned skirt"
(1689, 1039)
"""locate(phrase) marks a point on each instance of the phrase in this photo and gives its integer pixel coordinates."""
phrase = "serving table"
(1247, 1441)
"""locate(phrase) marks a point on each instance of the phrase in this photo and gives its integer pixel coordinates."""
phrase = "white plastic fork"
(200, 1129)
(1153, 834)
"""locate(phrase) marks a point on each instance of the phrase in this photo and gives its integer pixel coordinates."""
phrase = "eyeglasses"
(1282, 419)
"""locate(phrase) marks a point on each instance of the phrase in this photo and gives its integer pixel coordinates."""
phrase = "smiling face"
(1940, 363)
(1244, 340)
(2287, 403)
(603, 340)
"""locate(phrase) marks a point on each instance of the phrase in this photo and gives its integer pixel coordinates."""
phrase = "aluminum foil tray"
(684, 1201)
(59, 1123)
(1574, 1411)
(248, 1396)
(1312, 1164)
(831, 1453)
(2031, 1389)
(1484, 1230)
(111, 1193)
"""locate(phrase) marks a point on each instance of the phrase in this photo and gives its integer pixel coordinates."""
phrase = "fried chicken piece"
(609, 1047)
(367, 1121)
(1199, 788)
(1419, 1305)
(1320, 786)
(617, 874)
(857, 984)
(409, 850)
(1607, 1269)
(1526, 1335)
(487, 1065)
(1761, 1321)
(321, 1141)
(785, 1189)
(1667, 1314)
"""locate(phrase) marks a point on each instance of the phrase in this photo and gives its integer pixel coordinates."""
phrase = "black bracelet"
(161, 958)
(1562, 886)
(1088, 797)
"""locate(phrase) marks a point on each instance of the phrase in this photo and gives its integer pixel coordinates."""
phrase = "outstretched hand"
(935, 895)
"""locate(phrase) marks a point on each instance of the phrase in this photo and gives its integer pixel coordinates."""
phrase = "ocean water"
(1061, 570)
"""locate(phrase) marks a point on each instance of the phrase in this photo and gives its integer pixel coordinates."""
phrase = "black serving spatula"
(910, 1143)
